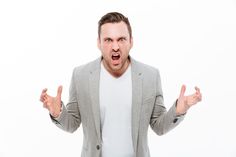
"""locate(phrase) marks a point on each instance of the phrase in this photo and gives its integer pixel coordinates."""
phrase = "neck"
(117, 73)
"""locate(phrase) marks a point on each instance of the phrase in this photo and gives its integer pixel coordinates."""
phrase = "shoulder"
(150, 77)
(145, 68)
(87, 68)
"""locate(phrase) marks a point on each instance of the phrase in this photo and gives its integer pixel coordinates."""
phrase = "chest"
(115, 94)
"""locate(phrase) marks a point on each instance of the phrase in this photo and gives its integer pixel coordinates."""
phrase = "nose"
(115, 46)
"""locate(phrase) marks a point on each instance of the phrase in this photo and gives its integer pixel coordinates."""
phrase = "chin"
(116, 67)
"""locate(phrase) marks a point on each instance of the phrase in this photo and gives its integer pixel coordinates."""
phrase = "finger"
(200, 97)
(197, 90)
(198, 93)
(45, 105)
(43, 97)
(44, 90)
(183, 89)
(59, 91)
(43, 94)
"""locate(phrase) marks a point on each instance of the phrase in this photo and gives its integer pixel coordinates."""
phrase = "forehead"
(114, 30)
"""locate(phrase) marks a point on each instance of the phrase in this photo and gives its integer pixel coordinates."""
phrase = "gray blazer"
(147, 107)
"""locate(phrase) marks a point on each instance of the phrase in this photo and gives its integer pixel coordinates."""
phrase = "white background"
(190, 42)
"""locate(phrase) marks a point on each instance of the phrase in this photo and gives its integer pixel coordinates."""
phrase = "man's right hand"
(53, 104)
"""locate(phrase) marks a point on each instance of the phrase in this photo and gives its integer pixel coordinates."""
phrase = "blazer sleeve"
(162, 120)
(69, 119)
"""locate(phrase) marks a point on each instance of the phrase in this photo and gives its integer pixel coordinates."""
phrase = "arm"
(65, 117)
(162, 120)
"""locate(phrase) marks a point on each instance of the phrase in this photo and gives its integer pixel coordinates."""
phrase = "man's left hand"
(185, 102)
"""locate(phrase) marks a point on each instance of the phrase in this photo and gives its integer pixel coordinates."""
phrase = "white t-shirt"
(115, 108)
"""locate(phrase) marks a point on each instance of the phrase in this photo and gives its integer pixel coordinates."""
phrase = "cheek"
(125, 48)
(105, 47)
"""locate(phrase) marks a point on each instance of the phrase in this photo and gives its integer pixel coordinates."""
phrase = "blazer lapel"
(94, 92)
(136, 97)
(136, 101)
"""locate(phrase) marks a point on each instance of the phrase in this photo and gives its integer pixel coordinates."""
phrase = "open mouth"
(115, 57)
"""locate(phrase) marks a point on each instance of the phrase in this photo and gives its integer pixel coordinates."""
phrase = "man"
(116, 98)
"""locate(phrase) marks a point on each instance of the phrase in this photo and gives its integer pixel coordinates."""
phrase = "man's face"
(115, 44)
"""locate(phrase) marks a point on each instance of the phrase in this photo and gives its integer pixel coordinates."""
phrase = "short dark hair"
(114, 17)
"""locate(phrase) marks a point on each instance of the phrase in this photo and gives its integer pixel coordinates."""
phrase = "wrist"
(181, 109)
(57, 113)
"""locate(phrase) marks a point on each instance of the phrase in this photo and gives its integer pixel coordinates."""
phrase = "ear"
(98, 43)
(131, 42)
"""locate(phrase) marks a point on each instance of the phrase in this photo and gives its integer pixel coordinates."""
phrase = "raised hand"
(53, 104)
(185, 102)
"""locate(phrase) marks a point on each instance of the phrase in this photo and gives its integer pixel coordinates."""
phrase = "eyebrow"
(107, 38)
(122, 37)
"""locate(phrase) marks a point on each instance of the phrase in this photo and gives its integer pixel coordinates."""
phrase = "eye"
(108, 40)
(122, 39)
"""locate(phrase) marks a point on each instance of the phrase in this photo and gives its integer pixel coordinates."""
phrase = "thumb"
(59, 91)
(183, 89)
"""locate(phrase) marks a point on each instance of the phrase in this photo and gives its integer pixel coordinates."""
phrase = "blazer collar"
(136, 100)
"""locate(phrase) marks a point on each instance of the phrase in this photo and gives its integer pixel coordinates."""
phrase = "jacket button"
(98, 147)
(175, 120)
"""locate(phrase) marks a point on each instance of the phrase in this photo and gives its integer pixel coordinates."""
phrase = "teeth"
(115, 55)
